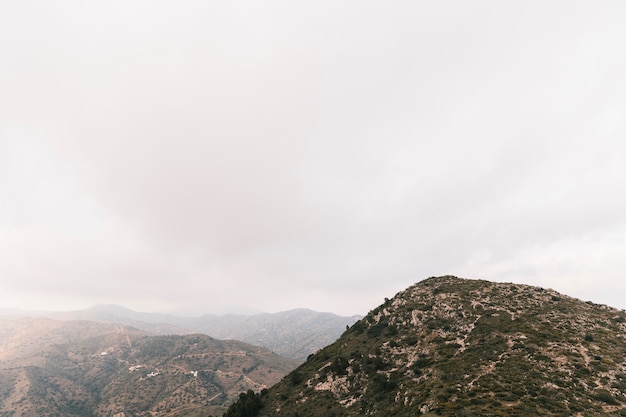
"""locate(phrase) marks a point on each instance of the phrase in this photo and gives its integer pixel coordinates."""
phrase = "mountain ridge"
(293, 333)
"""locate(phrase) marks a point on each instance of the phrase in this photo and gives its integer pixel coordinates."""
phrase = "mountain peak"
(460, 347)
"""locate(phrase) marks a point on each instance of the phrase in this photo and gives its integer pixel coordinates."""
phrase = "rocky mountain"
(456, 347)
(82, 368)
(294, 333)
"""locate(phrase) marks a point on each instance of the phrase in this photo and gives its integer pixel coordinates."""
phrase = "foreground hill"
(52, 368)
(455, 347)
(294, 333)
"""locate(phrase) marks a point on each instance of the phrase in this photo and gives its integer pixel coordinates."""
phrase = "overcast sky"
(229, 156)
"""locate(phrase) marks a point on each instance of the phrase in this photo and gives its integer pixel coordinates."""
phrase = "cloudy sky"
(211, 156)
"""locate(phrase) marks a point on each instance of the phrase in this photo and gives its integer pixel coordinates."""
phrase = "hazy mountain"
(15, 313)
(454, 347)
(81, 368)
(295, 333)
(162, 324)
(25, 340)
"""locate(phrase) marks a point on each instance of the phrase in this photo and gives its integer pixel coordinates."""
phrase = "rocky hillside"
(455, 347)
(51, 368)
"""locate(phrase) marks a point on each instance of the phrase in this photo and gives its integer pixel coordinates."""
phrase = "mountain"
(294, 333)
(89, 369)
(155, 323)
(24, 341)
(457, 347)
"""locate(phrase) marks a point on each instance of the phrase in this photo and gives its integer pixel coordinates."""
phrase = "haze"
(201, 156)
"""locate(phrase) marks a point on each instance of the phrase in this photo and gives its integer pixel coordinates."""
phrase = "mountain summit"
(456, 347)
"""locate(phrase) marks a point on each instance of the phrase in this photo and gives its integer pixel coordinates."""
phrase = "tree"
(248, 405)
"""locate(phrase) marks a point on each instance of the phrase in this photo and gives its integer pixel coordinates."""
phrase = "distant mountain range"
(89, 369)
(459, 348)
(295, 333)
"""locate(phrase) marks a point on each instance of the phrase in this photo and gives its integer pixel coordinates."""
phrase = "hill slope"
(95, 369)
(454, 347)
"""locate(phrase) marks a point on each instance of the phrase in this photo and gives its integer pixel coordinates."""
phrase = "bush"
(248, 405)
(605, 396)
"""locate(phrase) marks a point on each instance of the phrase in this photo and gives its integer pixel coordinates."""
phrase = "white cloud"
(266, 155)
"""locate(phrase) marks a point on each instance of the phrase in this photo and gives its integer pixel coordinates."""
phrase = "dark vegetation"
(248, 405)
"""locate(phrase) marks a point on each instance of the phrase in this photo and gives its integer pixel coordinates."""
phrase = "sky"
(248, 156)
